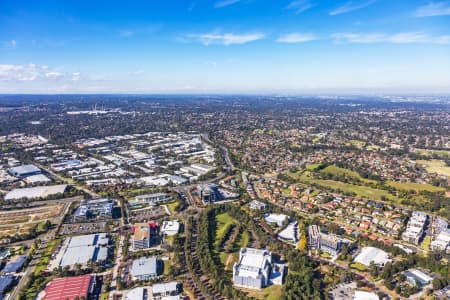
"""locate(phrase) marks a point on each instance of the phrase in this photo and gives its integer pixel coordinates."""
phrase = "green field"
(46, 254)
(313, 167)
(286, 191)
(373, 147)
(358, 190)
(166, 271)
(417, 187)
(335, 170)
(223, 222)
(425, 245)
(435, 166)
(40, 281)
(173, 206)
(441, 153)
(358, 266)
(273, 292)
(358, 144)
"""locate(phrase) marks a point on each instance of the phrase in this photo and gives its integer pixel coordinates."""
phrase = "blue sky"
(230, 46)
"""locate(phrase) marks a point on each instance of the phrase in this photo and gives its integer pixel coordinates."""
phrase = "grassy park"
(435, 166)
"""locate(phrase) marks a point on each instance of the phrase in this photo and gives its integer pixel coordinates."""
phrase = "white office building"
(254, 268)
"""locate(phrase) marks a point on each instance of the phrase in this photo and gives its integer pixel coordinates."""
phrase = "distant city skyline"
(225, 46)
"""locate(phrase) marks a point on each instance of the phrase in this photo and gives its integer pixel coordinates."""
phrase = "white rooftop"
(253, 261)
(170, 227)
(136, 294)
(161, 288)
(369, 254)
(276, 218)
(362, 295)
(36, 192)
(37, 178)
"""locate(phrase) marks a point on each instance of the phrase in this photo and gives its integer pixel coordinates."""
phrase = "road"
(115, 272)
(224, 150)
(31, 266)
(65, 180)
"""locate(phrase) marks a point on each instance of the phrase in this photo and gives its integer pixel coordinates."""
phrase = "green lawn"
(358, 266)
(313, 167)
(441, 153)
(46, 254)
(418, 187)
(223, 221)
(359, 190)
(435, 166)
(104, 296)
(273, 292)
(425, 245)
(358, 144)
(335, 170)
(373, 147)
(286, 191)
(166, 267)
(173, 206)
(41, 265)
(244, 239)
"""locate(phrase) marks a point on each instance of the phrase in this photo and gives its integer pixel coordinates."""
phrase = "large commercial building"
(442, 241)
(329, 243)
(144, 268)
(415, 228)
(276, 219)
(151, 199)
(290, 233)
(257, 205)
(254, 268)
(145, 235)
(138, 293)
(165, 290)
(70, 288)
(94, 209)
(417, 278)
(36, 192)
(208, 193)
(24, 171)
(372, 254)
(35, 179)
(170, 228)
(84, 248)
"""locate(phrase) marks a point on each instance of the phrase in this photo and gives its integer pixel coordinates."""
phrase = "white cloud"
(53, 75)
(300, 6)
(351, 6)
(296, 38)
(226, 38)
(18, 72)
(76, 76)
(434, 9)
(225, 3)
(398, 38)
(30, 72)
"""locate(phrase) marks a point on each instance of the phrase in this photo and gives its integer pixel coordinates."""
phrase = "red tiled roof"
(68, 288)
